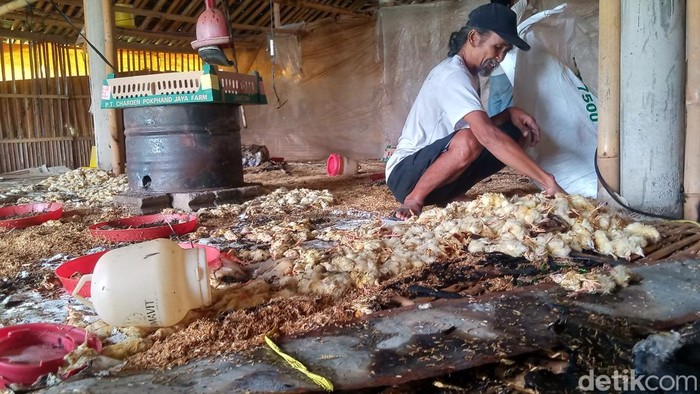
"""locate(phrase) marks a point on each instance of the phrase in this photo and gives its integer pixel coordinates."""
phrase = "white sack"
(565, 108)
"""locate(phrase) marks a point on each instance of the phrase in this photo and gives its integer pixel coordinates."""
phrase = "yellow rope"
(319, 380)
(686, 221)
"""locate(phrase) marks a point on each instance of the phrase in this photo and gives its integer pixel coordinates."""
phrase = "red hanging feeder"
(212, 35)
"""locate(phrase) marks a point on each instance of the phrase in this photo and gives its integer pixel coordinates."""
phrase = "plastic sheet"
(325, 97)
(347, 86)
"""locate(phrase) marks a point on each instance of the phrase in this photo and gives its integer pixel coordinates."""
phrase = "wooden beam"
(243, 42)
(41, 18)
(155, 14)
(147, 20)
(276, 15)
(24, 35)
(186, 38)
(155, 36)
(15, 5)
(137, 46)
(193, 20)
(163, 15)
(323, 7)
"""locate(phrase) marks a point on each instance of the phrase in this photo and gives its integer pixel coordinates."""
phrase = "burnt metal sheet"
(426, 340)
(183, 148)
(429, 340)
(251, 372)
(390, 348)
(668, 295)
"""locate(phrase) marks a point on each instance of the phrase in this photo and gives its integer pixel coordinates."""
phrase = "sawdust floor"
(23, 252)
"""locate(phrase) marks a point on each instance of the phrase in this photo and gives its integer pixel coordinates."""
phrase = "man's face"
(490, 51)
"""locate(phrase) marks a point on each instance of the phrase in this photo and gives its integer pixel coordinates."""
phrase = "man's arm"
(507, 150)
(522, 120)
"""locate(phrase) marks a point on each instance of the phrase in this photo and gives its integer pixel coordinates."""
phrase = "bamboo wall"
(45, 100)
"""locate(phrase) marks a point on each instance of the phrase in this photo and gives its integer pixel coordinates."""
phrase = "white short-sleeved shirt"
(448, 94)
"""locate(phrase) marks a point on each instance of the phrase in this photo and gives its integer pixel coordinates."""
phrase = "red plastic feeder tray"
(137, 228)
(30, 214)
(85, 265)
(28, 351)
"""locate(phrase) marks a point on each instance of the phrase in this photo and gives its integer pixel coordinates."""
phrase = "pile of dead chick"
(604, 281)
(537, 226)
(531, 226)
(279, 202)
(83, 186)
(301, 259)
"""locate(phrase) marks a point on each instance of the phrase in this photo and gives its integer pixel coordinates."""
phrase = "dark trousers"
(405, 175)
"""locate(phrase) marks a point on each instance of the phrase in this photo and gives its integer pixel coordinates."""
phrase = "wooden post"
(99, 22)
(276, 15)
(691, 207)
(609, 93)
(116, 135)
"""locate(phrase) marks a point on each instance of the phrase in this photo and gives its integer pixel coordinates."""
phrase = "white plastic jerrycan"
(149, 284)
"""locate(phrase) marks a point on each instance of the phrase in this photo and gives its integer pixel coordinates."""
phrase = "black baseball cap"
(500, 20)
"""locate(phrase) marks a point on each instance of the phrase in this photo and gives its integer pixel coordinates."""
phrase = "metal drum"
(183, 148)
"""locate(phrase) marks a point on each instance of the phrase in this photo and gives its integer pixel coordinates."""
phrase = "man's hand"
(551, 187)
(554, 189)
(526, 124)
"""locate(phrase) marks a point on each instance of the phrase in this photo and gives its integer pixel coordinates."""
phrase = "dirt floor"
(28, 257)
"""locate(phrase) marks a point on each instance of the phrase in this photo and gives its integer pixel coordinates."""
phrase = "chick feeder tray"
(182, 133)
(28, 351)
(26, 215)
(70, 271)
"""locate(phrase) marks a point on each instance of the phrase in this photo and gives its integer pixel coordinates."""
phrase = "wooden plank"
(42, 107)
(4, 125)
(255, 13)
(86, 127)
(14, 114)
(43, 139)
(161, 24)
(77, 90)
(66, 71)
(287, 13)
(56, 88)
(4, 159)
(695, 248)
(325, 8)
(672, 248)
(149, 60)
(67, 119)
(26, 115)
(157, 62)
(52, 116)
(11, 161)
(144, 24)
(50, 20)
(191, 7)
